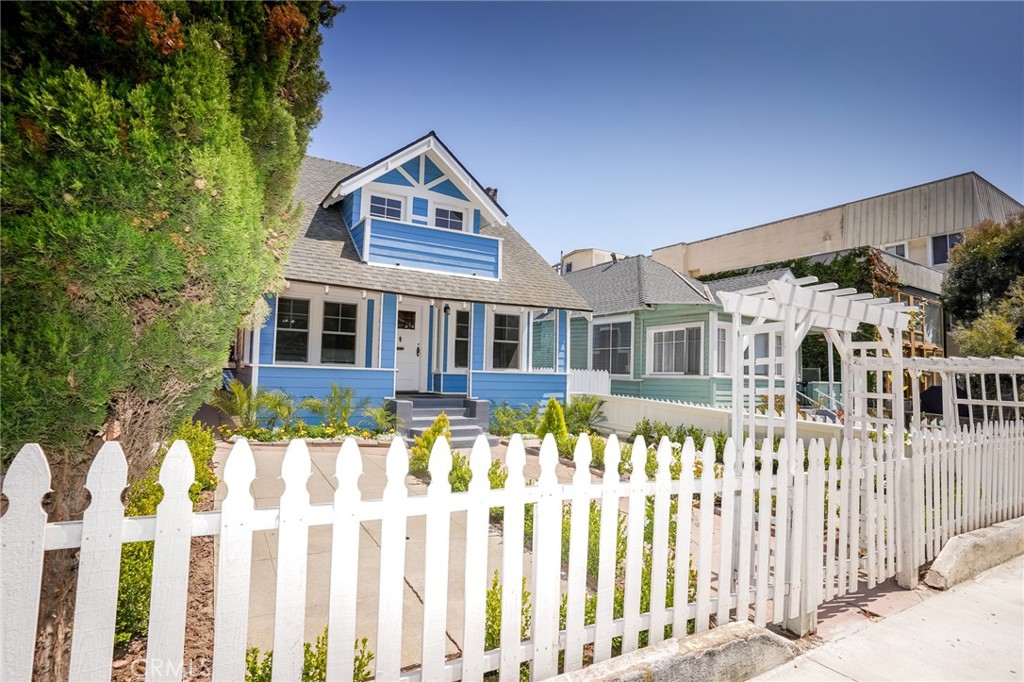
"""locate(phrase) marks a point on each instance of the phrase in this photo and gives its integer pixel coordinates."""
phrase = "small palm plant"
(281, 407)
(384, 419)
(239, 400)
(336, 408)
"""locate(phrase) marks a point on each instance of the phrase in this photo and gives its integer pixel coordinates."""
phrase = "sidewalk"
(974, 631)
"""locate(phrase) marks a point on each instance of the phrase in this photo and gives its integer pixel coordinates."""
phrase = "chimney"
(492, 192)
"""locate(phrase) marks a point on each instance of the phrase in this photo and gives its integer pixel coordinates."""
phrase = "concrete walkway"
(974, 631)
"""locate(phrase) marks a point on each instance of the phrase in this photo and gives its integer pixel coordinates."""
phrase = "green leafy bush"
(259, 664)
(553, 421)
(584, 413)
(419, 454)
(507, 420)
(492, 624)
(384, 420)
(239, 400)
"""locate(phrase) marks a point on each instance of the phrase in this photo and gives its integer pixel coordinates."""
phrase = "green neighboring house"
(660, 334)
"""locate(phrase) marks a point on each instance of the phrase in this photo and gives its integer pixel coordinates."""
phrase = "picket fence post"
(606, 553)
(579, 523)
(341, 618)
(547, 565)
(659, 558)
(512, 561)
(171, 553)
(392, 562)
(435, 565)
(231, 614)
(476, 561)
(635, 517)
(22, 532)
(99, 566)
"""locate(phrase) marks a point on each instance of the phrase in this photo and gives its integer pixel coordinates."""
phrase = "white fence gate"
(805, 526)
(590, 382)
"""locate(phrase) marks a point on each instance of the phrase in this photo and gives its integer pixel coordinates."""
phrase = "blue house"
(406, 279)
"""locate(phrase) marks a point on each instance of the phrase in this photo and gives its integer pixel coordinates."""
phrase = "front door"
(411, 349)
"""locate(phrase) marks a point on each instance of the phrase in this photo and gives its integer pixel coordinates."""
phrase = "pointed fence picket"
(829, 507)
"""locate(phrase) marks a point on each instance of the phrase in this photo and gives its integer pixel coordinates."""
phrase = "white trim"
(649, 347)
(403, 200)
(445, 206)
(347, 368)
(904, 244)
(613, 319)
(514, 311)
(433, 272)
(314, 294)
(444, 160)
(455, 310)
(421, 307)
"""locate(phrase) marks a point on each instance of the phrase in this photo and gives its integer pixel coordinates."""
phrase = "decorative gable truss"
(419, 208)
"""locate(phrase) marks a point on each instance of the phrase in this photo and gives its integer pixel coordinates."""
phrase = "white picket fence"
(780, 553)
(590, 382)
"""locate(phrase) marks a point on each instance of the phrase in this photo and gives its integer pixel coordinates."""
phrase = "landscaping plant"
(419, 453)
(584, 413)
(239, 400)
(150, 153)
(384, 420)
(553, 421)
(259, 664)
(336, 408)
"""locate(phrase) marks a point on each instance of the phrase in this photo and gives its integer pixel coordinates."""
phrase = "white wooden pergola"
(872, 381)
(1000, 383)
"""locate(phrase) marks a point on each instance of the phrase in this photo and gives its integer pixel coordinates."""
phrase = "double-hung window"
(898, 249)
(338, 339)
(611, 347)
(762, 360)
(385, 207)
(505, 344)
(461, 359)
(292, 330)
(721, 350)
(448, 219)
(675, 350)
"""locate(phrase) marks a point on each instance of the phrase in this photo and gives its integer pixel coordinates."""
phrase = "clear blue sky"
(631, 126)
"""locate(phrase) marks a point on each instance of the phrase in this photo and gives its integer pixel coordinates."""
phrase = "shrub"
(239, 400)
(584, 413)
(652, 431)
(384, 420)
(258, 664)
(492, 624)
(419, 454)
(553, 421)
(281, 409)
(506, 420)
(566, 444)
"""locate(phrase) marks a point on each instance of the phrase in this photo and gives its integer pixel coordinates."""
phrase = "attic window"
(386, 207)
(448, 219)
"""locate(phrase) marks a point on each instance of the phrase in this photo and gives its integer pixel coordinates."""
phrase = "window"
(448, 219)
(386, 207)
(407, 319)
(461, 339)
(292, 330)
(942, 245)
(761, 358)
(338, 340)
(611, 347)
(568, 267)
(721, 346)
(505, 345)
(676, 351)
(898, 249)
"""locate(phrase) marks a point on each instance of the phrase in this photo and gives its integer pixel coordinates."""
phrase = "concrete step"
(461, 431)
(431, 413)
(438, 403)
(467, 443)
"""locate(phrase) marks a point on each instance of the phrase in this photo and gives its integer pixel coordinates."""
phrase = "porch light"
(447, 309)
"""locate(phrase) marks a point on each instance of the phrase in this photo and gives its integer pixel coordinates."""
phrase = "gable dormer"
(420, 208)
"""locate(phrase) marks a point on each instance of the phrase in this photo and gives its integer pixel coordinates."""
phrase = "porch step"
(467, 419)
(423, 413)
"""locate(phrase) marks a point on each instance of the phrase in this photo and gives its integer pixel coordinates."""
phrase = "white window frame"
(317, 296)
(436, 205)
(718, 326)
(402, 200)
(632, 341)
(355, 334)
(489, 340)
(456, 308)
(931, 248)
(649, 359)
(906, 249)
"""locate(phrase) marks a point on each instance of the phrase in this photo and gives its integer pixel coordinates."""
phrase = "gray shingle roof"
(632, 283)
(324, 253)
(749, 281)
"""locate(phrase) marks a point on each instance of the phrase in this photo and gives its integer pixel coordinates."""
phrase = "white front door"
(411, 349)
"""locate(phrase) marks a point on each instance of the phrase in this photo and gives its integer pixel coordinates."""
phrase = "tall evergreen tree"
(150, 152)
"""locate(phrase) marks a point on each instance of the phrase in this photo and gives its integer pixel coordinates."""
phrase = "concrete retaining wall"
(967, 555)
(737, 651)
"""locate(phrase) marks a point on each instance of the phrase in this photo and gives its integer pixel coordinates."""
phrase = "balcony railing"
(397, 244)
